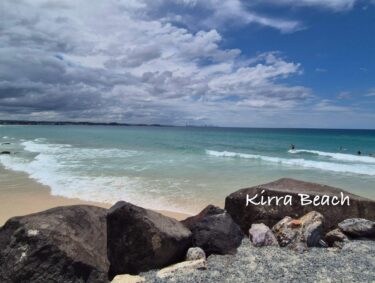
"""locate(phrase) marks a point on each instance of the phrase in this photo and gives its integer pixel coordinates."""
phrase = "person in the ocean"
(292, 146)
(359, 152)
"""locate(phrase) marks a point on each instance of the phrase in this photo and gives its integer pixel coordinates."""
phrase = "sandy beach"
(21, 195)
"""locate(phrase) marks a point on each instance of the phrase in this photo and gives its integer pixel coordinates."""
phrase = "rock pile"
(91, 244)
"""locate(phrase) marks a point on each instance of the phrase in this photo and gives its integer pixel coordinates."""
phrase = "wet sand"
(20, 195)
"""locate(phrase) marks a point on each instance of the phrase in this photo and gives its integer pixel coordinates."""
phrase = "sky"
(242, 63)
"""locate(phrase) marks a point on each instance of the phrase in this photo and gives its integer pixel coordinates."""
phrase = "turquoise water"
(183, 169)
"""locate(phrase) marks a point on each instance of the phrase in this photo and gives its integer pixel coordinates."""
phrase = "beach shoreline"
(21, 195)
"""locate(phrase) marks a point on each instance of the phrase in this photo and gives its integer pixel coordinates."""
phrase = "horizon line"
(88, 123)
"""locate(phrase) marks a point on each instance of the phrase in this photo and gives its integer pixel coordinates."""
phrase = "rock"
(127, 278)
(214, 231)
(182, 267)
(336, 238)
(141, 239)
(312, 228)
(235, 204)
(195, 253)
(217, 234)
(358, 227)
(63, 244)
(285, 231)
(261, 235)
(5, 152)
(208, 211)
(306, 231)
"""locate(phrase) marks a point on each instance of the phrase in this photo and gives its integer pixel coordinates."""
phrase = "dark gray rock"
(336, 238)
(235, 204)
(260, 235)
(306, 231)
(217, 234)
(141, 239)
(358, 227)
(208, 211)
(63, 244)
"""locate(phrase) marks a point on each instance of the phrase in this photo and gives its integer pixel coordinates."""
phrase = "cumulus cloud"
(124, 61)
(139, 62)
(210, 13)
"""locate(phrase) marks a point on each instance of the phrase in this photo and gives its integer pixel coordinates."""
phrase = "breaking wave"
(337, 156)
(76, 173)
(362, 169)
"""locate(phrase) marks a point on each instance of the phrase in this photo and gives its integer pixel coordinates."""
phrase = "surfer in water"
(292, 146)
(359, 152)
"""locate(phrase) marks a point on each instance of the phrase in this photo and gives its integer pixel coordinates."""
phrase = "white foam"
(362, 169)
(67, 151)
(53, 166)
(337, 156)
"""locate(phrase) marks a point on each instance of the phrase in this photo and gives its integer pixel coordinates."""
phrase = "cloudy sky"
(255, 63)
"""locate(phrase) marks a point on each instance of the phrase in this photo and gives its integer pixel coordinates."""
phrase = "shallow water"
(183, 169)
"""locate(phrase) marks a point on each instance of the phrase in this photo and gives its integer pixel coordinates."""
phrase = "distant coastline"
(86, 123)
(61, 123)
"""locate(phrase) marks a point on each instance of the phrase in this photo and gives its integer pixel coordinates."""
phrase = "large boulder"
(217, 234)
(306, 231)
(208, 211)
(358, 227)
(245, 215)
(141, 239)
(63, 244)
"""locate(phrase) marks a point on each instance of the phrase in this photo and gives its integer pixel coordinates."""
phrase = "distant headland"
(26, 122)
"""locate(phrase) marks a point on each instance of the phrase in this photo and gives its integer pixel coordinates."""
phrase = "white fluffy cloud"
(139, 62)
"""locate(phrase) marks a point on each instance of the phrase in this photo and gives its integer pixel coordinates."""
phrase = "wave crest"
(362, 169)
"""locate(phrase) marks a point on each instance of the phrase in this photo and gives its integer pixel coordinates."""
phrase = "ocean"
(183, 169)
